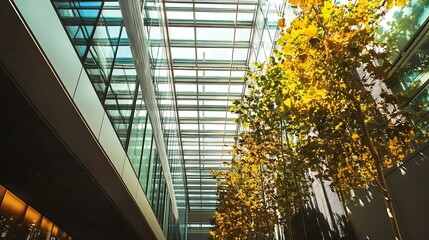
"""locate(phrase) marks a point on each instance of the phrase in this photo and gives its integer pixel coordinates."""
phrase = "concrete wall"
(409, 186)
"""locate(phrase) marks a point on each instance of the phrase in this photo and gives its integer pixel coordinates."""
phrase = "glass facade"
(207, 49)
(98, 34)
(405, 30)
(20, 221)
(197, 63)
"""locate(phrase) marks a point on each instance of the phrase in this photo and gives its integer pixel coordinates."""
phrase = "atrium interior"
(115, 112)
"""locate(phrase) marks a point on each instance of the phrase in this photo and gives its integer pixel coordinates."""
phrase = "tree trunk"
(328, 204)
(380, 174)
(298, 186)
(346, 220)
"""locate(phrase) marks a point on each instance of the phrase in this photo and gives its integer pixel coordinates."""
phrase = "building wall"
(408, 186)
(405, 30)
(85, 46)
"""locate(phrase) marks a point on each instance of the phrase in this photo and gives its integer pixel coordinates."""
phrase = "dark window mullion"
(85, 55)
(109, 78)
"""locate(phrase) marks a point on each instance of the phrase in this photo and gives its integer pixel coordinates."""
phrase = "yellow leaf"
(321, 93)
(311, 31)
(337, 39)
(287, 64)
(285, 37)
(401, 3)
(294, 2)
(298, 24)
(287, 49)
(284, 90)
(281, 23)
(317, 3)
(390, 3)
(327, 10)
(338, 126)
(287, 102)
(355, 136)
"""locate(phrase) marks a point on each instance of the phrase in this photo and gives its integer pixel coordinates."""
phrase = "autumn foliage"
(318, 105)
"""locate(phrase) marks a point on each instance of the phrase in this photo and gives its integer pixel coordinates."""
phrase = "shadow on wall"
(317, 226)
(409, 186)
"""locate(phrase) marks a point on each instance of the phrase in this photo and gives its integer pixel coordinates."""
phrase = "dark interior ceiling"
(37, 167)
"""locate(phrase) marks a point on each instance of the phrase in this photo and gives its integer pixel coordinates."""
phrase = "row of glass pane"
(210, 57)
(405, 30)
(96, 30)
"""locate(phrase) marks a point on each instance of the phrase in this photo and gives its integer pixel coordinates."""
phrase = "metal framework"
(212, 43)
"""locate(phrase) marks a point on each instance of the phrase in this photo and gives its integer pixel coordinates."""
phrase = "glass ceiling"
(212, 43)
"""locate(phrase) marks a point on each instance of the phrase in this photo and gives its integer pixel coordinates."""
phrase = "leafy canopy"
(308, 109)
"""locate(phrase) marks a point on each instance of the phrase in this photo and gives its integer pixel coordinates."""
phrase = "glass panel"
(214, 53)
(216, 34)
(96, 30)
(180, 15)
(413, 73)
(221, 16)
(242, 34)
(401, 24)
(152, 174)
(185, 33)
(419, 106)
(135, 144)
(183, 53)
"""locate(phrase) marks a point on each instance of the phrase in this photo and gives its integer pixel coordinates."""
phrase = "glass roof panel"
(188, 114)
(213, 88)
(219, 73)
(180, 15)
(215, 34)
(242, 34)
(182, 33)
(182, 53)
(211, 48)
(170, 5)
(215, 102)
(187, 73)
(186, 102)
(217, 6)
(235, 89)
(214, 53)
(186, 87)
(243, 7)
(244, 16)
(240, 53)
(215, 15)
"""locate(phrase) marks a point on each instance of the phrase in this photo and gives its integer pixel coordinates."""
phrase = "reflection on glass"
(96, 30)
(414, 72)
(401, 24)
(419, 106)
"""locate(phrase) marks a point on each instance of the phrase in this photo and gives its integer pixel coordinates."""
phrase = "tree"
(246, 209)
(308, 109)
(263, 185)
